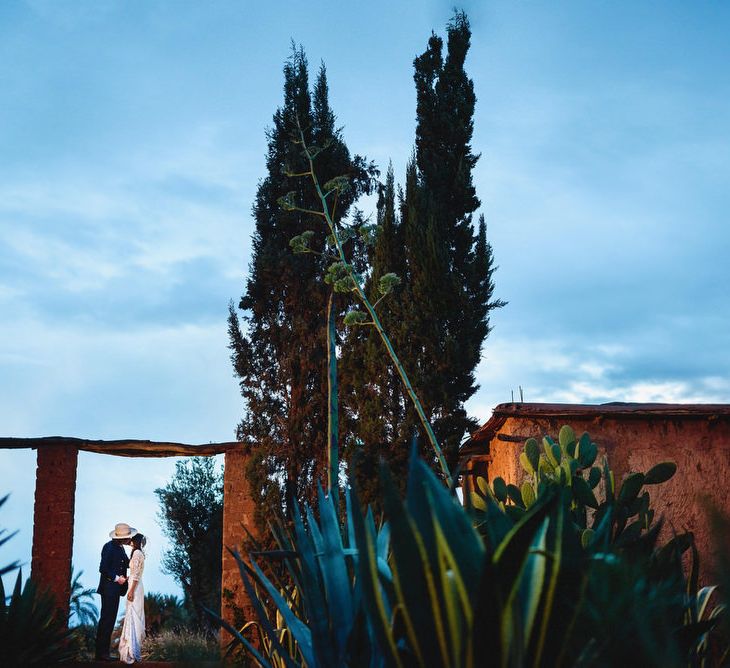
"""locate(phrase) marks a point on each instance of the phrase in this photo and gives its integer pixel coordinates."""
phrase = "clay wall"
(699, 445)
(53, 522)
(238, 512)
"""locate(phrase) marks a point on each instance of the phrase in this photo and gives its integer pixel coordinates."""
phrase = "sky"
(132, 139)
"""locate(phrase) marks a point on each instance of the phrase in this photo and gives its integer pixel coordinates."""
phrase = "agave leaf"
(263, 617)
(313, 599)
(510, 554)
(299, 630)
(528, 588)
(413, 579)
(382, 545)
(485, 636)
(338, 587)
(371, 591)
(240, 637)
(457, 528)
(563, 590)
(497, 524)
(702, 599)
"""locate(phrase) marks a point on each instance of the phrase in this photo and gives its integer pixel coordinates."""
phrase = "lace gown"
(130, 643)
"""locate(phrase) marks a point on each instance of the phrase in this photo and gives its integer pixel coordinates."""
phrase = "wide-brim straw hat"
(122, 531)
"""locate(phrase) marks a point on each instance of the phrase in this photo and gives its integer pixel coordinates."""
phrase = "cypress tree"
(439, 318)
(450, 287)
(279, 355)
(372, 391)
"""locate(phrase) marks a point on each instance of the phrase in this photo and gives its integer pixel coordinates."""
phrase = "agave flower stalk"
(339, 184)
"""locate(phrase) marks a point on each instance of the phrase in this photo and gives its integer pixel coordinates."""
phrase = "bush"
(182, 646)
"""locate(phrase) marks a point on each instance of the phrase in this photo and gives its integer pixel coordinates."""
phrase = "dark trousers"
(107, 618)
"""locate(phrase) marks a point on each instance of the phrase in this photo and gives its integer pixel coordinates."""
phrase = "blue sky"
(132, 137)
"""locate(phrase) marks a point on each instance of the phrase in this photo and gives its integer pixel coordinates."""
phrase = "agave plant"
(31, 631)
(437, 584)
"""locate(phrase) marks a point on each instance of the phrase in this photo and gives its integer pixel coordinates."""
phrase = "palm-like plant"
(4, 538)
(83, 611)
(164, 612)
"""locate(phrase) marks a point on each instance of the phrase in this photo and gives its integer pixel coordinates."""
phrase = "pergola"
(55, 490)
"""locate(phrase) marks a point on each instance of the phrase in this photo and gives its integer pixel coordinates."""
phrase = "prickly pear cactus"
(598, 509)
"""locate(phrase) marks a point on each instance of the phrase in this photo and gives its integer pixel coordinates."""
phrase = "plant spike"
(333, 464)
(325, 213)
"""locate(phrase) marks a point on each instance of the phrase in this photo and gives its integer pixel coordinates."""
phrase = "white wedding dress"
(130, 643)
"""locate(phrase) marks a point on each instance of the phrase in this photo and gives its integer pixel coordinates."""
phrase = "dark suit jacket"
(114, 562)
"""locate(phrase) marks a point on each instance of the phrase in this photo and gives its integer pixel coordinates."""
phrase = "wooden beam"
(122, 448)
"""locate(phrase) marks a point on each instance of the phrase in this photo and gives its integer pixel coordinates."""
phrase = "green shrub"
(181, 646)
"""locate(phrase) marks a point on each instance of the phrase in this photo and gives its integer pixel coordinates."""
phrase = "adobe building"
(53, 518)
(634, 437)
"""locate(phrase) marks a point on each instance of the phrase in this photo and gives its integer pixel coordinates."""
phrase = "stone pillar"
(53, 522)
(238, 512)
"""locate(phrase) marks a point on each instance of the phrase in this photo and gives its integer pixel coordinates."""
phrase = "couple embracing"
(115, 583)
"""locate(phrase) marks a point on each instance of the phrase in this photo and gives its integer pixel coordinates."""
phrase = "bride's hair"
(138, 542)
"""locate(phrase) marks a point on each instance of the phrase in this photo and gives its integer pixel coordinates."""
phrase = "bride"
(133, 633)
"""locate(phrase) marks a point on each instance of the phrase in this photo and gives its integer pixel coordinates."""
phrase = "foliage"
(31, 631)
(191, 517)
(438, 317)
(164, 612)
(343, 277)
(279, 354)
(4, 538)
(83, 611)
(441, 585)
(570, 463)
(181, 646)
(84, 639)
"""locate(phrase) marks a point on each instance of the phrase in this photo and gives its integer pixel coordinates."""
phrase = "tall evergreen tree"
(450, 288)
(439, 319)
(279, 355)
(372, 391)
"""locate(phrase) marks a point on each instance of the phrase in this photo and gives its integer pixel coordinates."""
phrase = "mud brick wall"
(238, 512)
(53, 522)
(699, 444)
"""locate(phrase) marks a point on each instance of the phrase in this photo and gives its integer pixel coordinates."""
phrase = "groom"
(112, 585)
